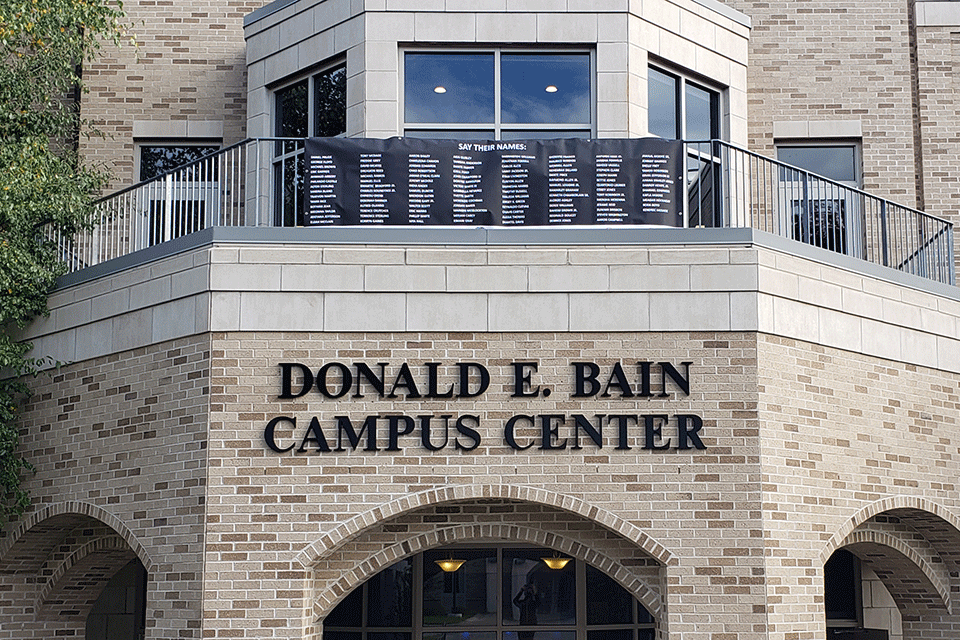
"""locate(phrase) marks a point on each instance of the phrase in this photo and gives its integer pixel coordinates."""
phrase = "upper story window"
(297, 116)
(835, 161)
(681, 109)
(159, 158)
(313, 106)
(825, 213)
(498, 94)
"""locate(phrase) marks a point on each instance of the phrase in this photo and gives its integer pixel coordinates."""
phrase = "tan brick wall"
(810, 448)
(189, 65)
(118, 440)
(939, 87)
(279, 522)
(836, 61)
(844, 436)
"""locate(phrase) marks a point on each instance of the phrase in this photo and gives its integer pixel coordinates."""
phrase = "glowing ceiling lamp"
(439, 89)
(556, 562)
(450, 565)
(551, 88)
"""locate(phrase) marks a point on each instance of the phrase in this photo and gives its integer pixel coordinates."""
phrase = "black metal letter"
(684, 433)
(521, 380)
(465, 368)
(286, 380)
(346, 379)
(469, 432)
(508, 434)
(585, 375)
(269, 432)
(314, 434)
(652, 428)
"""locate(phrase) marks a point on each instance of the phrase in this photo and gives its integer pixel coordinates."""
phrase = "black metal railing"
(259, 182)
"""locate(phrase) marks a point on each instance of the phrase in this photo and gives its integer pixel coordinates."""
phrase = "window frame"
(291, 151)
(702, 206)
(855, 584)
(497, 126)
(180, 142)
(822, 143)
(809, 187)
(719, 125)
(419, 629)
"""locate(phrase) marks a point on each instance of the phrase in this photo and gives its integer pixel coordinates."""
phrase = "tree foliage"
(43, 185)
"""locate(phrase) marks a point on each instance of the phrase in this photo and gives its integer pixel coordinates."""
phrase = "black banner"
(408, 181)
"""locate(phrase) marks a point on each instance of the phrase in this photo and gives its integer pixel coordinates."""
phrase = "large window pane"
(349, 613)
(540, 635)
(663, 105)
(292, 111)
(158, 159)
(466, 597)
(607, 601)
(460, 635)
(498, 593)
(391, 590)
(545, 88)
(450, 134)
(702, 106)
(537, 594)
(330, 103)
(448, 87)
(610, 634)
(841, 584)
(835, 162)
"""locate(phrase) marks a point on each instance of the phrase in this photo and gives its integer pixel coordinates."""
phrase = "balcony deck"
(727, 188)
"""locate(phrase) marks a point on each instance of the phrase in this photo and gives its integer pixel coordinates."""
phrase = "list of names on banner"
(408, 181)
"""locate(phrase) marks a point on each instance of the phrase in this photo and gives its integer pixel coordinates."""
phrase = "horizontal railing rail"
(260, 182)
(728, 186)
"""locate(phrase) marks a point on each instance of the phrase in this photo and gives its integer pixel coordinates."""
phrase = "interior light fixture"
(551, 88)
(439, 89)
(449, 565)
(556, 562)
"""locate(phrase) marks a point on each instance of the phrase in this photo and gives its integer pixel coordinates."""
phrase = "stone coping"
(713, 5)
(500, 236)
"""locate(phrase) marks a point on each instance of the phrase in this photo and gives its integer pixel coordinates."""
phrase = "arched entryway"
(66, 570)
(490, 591)
(893, 576)
(539, 524)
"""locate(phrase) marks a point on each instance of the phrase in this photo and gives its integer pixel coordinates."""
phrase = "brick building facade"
(731, 434)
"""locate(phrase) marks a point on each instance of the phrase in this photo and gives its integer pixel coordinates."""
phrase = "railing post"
(167, 208)
(718, 173)
(951, 268)
(885, 252)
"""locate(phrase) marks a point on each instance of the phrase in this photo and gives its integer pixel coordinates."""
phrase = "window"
(180, 202)
(157, 159)
(498, 94)
(681, 109)
(312, 106)
(498, 593)
(841, 590)
(824, 213)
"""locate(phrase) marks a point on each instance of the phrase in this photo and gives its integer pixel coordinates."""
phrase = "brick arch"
(76, 584)
(27, 546)
(914, 583)
(460, 493)
(333, 592)
(89, 565)
(908, 508)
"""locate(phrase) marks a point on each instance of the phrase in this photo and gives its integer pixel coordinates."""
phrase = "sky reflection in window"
(466, 80)
(552, 88)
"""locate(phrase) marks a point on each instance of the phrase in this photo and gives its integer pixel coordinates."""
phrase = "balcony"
(259, 183)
